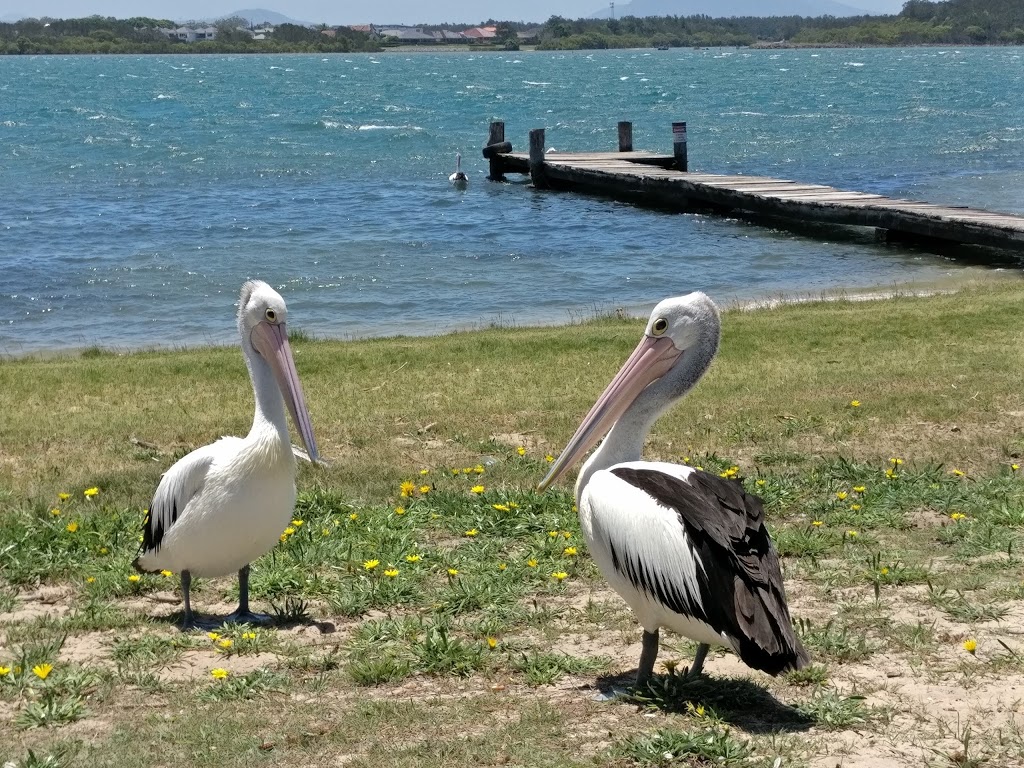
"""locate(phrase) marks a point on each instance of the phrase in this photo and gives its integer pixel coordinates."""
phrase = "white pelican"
(686, 549)
(459, 179)
(225, 504)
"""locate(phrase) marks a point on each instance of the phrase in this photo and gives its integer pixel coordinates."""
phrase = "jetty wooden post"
(537, 157)
(496, 135)
(679, 145)
(625, 136)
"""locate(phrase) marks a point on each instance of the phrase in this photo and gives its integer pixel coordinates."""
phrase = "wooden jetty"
(662, 180)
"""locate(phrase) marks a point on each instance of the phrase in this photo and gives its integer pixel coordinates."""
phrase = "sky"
(340, 12)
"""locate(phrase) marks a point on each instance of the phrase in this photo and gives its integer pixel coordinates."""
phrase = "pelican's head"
(678, 344)
(261, 324)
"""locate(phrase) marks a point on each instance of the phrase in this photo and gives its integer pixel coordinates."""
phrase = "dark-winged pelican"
(686, 549)
(459, 179)
(225, 504)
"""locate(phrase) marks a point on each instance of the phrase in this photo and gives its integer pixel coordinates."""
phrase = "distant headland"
(920, 22)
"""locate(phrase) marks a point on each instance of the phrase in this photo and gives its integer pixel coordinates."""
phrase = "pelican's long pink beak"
(651, 360)
(271, 341)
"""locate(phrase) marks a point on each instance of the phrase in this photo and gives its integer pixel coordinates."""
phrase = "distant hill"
(724, 8)
(261, 15)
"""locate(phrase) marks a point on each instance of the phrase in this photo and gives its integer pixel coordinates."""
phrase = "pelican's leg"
(647, 657)
(189, 621)
(243, 615)
(698, 661)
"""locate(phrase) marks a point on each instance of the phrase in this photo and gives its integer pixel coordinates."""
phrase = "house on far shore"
(189, 34)
(481, 34)
(407, 35)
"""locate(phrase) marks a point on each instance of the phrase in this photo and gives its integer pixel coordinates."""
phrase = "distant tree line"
(921, 22)
(99, 34)
(952, 22)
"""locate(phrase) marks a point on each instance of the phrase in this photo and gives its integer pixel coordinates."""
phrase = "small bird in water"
(225, 504)
(686, 549)
(459, 179)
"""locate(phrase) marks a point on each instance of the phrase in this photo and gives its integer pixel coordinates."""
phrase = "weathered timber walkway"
(655, 179)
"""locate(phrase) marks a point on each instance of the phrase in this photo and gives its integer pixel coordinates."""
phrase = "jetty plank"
(654, 179)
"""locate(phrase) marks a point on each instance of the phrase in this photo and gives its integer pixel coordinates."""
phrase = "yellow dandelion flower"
(166, 573)
(1014, 467)
(90, 579)
(884, 570)
(759, 482)
(90, 492)
(353, 517)
(453, 571)
(71, 527)
(859, 489)
(686, 459)
(371, 564)
(424, 489)
(42, 670)
(467, 470)
(472, 532)
(424, 471)
(406, 488)
(55, 512)
(134, 577)
(553, 534)
(502, 566)
(226, 643)
(399, 510)
(325, 531)
(455, 471)
(492, 642)
(549, 458)
(298, 523)
(477, 489)
(63, 496)
(957, 473)
(213, 635)
(391, 573)
(501, 507)
(560, 575)
(970, 645)
(283, 537)
(895, 461)
(852, 534)
(855, 507)
(412, 558)
(817, 523)
(248, 635)
(531, 563)
(513, 505)
(569, 551)
(289, 531)
(218, 674)
(890, 473)
(567, 534)
(841, 495)
(521, 450)
(4, 671)
(103, 550)
(479, 469)
(958, 516)
(855, 403)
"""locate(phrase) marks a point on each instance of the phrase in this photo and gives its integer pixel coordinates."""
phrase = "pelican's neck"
(625, 440)
(270, 420)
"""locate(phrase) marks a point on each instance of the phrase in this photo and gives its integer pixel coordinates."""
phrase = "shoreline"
(954, 283)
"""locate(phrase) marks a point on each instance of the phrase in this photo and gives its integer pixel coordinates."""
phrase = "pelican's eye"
(660, 326)
(271, 316)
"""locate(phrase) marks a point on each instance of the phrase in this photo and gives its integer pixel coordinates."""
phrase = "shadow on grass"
(741, 703)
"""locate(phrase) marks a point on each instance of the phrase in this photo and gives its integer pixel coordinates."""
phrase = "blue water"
(137, 192)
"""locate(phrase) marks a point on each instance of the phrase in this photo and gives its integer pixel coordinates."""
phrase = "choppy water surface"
(137, 192)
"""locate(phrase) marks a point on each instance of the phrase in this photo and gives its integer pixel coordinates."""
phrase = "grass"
(463, 622)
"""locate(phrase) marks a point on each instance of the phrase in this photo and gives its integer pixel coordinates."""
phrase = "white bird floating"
(686, 549)
(459, 179)
(225, 504)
